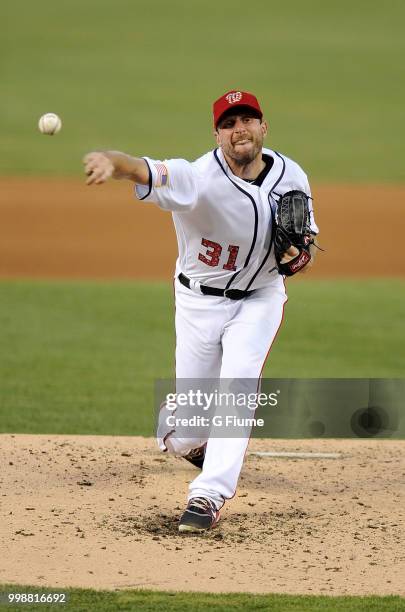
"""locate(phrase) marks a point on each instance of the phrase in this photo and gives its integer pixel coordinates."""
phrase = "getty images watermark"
(217, 401)
(206, 400)
(282, 407)
(215, 408)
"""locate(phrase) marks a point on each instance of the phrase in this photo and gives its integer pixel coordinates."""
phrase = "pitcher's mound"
(102, 512)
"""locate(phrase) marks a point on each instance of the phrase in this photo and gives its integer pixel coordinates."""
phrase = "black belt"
(232, 294)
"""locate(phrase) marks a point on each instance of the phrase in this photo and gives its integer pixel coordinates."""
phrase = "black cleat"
(200, 515)
(196, 456)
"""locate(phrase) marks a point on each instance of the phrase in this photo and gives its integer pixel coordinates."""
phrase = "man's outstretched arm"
(102, 165)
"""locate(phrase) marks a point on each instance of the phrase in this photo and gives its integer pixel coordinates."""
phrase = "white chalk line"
(291, 455)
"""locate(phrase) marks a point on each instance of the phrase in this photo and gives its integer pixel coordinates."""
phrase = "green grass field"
(141, 77)
(149, 601)
(83, 357)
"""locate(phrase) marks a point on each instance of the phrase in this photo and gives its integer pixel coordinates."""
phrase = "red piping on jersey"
(260, 375)
(275, 336)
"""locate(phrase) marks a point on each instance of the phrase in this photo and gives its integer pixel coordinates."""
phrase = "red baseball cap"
(233, 99)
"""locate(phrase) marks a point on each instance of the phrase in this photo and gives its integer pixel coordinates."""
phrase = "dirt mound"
(98, 511)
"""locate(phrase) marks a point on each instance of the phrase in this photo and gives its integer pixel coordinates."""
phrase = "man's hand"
(98, 167)
(293, 252)
(102, 165)
(289, 254)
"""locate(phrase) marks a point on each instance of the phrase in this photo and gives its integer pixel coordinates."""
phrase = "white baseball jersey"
(224, 225)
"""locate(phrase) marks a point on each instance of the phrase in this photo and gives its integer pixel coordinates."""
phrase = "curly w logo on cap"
(235, 98)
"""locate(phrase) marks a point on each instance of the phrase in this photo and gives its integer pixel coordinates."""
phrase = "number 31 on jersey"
(213, 253)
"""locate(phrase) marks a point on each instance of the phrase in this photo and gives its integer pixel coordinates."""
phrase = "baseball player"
(229, 279)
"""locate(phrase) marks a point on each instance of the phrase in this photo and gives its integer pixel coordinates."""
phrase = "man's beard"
(246, 157)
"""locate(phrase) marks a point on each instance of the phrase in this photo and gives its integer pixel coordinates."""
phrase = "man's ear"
(265, 128)
(217, 138)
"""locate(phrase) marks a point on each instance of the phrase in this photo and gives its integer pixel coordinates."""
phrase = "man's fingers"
(292, 250)
(94, 175)
(289, 254)
(101, 178)
(98, 168)
(91, 179)
(91, 160)
(89, 169)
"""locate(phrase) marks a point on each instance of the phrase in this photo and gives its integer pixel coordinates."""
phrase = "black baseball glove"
(292, 229)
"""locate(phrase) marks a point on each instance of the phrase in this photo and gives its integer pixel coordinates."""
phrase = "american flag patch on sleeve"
(162, 178)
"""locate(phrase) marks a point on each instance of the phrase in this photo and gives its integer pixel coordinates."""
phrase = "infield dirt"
(102, 512)
(60, 228)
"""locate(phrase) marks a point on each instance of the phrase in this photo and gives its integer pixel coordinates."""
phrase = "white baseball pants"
(219, 338)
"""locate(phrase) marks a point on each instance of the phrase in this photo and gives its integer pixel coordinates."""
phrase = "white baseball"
(49, 124)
